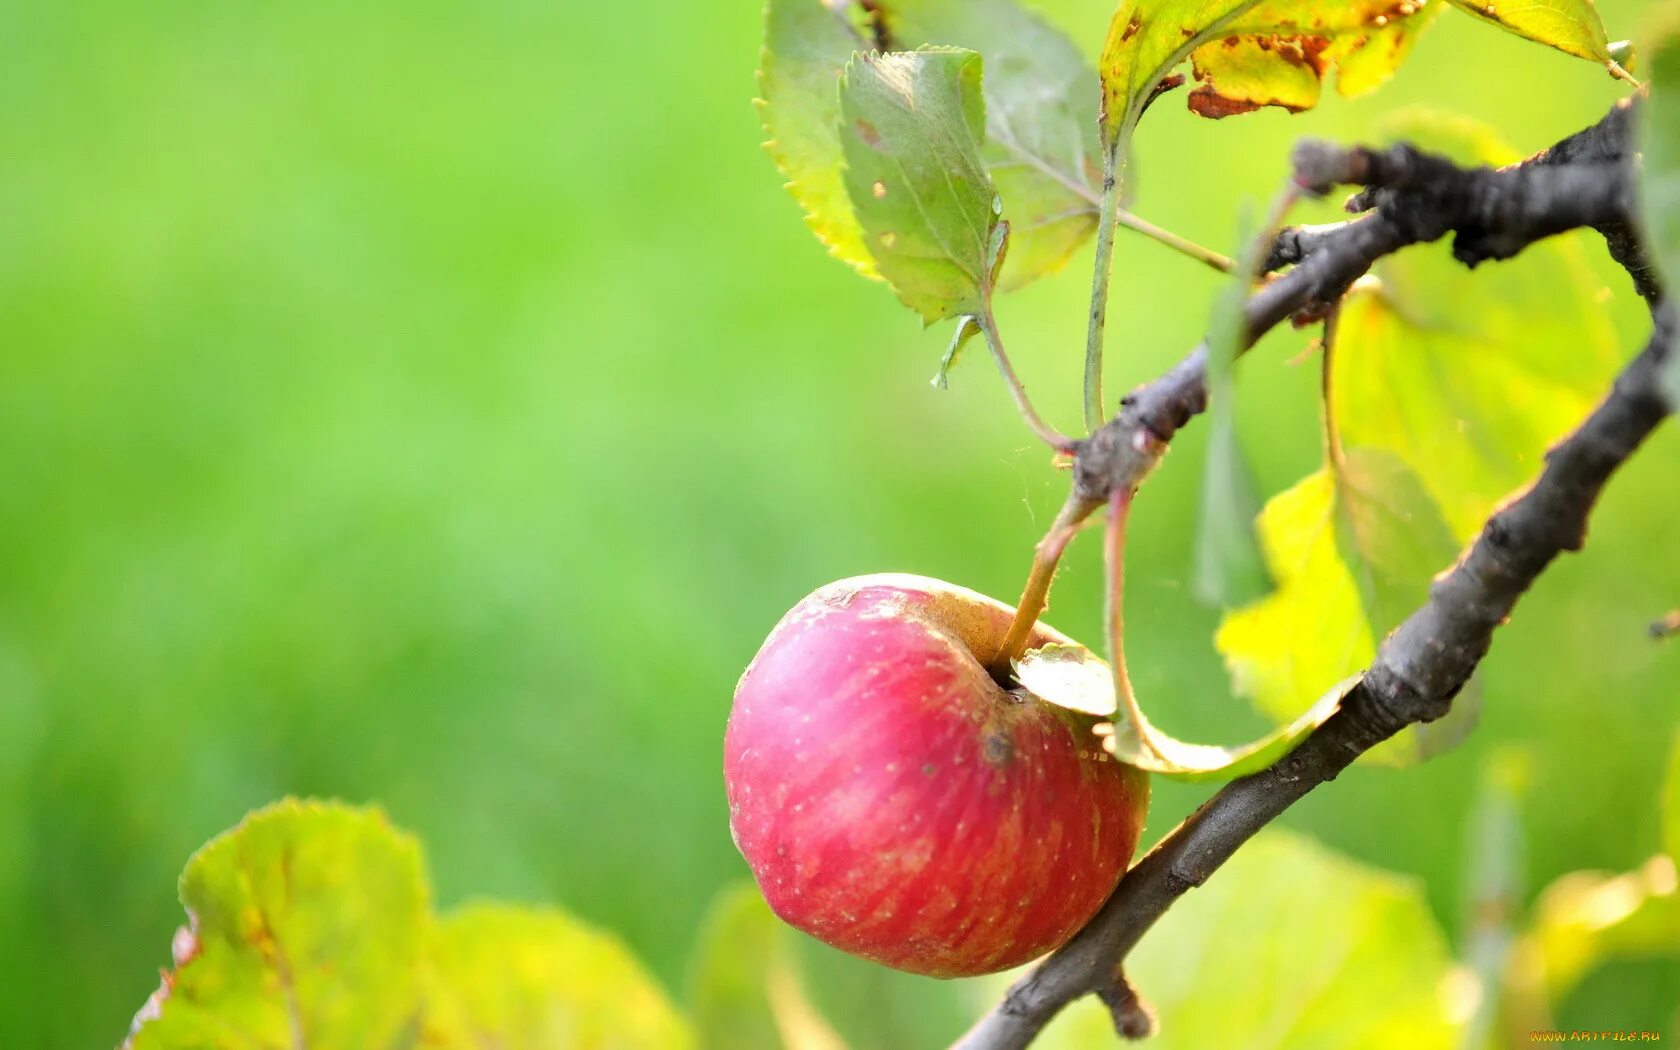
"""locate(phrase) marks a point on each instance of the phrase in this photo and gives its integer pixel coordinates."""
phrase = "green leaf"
(806, 45)
(519, 978)
(1041, 122)
(1250, 53)
(308, 926)
(1468, 377)
(1571, 26)
(1353, 548)
(1041, 104)
(911, 124)
(748, 991)
(1073, 677)
(1287, 947)
(1659, 122)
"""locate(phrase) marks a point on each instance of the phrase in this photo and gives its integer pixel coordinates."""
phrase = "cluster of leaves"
(865, 138)
(311, 924)
(907, 159)
(923, 169)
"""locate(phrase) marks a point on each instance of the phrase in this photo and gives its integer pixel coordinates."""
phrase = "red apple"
(896, 802)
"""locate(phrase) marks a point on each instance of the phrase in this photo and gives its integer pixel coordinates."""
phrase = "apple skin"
(894, 801)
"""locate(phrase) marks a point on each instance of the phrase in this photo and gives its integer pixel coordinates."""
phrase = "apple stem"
(1114, 557)
(1046, 433)
(1036, 595)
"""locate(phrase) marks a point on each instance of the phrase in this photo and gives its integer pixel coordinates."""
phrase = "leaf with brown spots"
(1281, 54)
(1146, 39)
(308, 926)
(1251, 54)
(911, 125)
(1571, 26)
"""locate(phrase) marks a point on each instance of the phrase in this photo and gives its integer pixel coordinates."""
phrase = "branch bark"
(1583, 181)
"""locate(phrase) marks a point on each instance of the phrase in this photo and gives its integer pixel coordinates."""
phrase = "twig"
(1295, 243)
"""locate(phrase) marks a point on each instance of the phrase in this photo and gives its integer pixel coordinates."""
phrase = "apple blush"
(895, 801)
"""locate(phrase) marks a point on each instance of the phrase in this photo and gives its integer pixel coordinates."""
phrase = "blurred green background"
(435, 403)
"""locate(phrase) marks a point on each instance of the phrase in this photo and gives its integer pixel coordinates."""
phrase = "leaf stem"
(1620, 72)
(1099, 292)
(1092, 198)
(1114, 560)
(1183, 245)
(1046, 433)
(1036, 595)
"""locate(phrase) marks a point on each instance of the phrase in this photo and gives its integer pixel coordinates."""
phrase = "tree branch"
(1411, 198)
(1583, 181)
(1417, 672)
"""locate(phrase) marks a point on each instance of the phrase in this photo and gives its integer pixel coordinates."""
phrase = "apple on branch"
(895, 800)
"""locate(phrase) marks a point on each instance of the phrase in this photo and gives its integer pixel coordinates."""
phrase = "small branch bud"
(1133, 1018)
